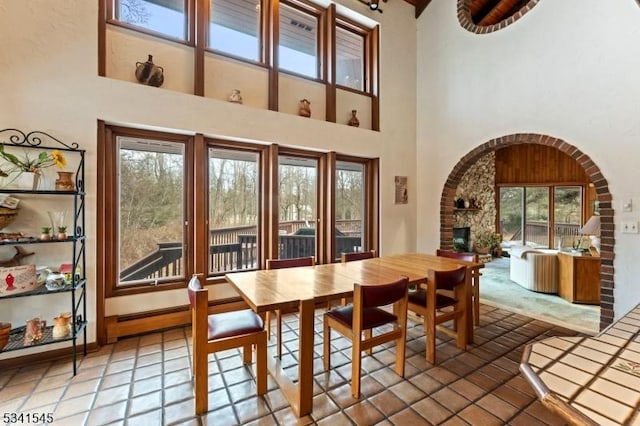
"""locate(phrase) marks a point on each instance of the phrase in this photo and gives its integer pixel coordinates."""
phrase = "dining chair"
(365, 314)
(360, 255)
(431, 301)
(349, 257)
(220, 332)
(280, 264)
(475, 278)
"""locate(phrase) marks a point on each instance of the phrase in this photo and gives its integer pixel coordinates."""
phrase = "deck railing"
(236, 248)
(537, 233)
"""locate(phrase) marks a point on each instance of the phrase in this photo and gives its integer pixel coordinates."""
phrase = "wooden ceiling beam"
(479, 8)
(499, 12)
(420, 5)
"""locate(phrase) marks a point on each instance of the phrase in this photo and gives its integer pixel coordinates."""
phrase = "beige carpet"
(496, 289)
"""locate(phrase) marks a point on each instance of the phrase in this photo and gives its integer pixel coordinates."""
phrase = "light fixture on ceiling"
(373, 4)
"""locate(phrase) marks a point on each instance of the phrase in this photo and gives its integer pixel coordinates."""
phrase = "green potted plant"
(45, 233)
(485, 241)
(29, 166)
(62, 232)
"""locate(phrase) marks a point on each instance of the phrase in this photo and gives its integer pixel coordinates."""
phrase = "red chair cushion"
(420, 298)
(371, 317)
(235, 323)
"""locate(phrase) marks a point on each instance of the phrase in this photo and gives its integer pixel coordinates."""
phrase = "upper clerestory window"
(166, 17)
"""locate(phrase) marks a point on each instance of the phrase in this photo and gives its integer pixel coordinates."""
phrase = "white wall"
(49, 82)
(568, 69)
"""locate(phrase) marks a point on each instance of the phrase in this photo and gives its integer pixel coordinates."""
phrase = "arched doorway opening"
(595, 176)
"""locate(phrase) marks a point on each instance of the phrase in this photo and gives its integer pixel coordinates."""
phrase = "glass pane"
(298, 179)
(537, 217)
(511, 216)
(233, 214)
(151, 202)
(567, 214)
(163, 16)
(298, 49)
(235, 26)
(349, 207)
(349, 59)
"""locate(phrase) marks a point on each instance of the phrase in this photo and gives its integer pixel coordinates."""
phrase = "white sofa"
(534, 269)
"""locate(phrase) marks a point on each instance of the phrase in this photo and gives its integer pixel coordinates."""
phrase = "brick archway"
(595, 176)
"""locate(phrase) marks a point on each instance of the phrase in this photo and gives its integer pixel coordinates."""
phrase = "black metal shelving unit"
(77, 288)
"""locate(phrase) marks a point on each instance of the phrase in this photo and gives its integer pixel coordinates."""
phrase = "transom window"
(235, 28)
(350, 59)
(298, 47)
(167, 17)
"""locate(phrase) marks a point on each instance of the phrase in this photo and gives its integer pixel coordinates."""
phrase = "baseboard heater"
(118, 326)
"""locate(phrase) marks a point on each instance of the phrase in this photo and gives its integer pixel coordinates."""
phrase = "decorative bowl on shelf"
(55, 281)
(5, 329)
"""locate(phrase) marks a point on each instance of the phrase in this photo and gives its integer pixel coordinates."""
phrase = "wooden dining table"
(305, 287)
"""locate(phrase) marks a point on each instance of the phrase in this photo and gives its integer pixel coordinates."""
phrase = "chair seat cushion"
(420, 298)
(234, 323)
(371, 317)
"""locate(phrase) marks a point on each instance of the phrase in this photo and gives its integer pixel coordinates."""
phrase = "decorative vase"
(27, 181)
(61, 236)
(65, 181)
(58, 220)
(235, 97)
(62, 326)
(304, 108)
(354, 122)
(34, 331)
(149, 73)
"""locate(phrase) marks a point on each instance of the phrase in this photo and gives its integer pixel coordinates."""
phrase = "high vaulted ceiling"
(483, 12)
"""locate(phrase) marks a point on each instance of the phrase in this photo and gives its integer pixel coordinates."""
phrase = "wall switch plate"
(627, 206)
(629, 227)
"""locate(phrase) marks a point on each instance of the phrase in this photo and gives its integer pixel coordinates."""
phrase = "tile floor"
(146, 380)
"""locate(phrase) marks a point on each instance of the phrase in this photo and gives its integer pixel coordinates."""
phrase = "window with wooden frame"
(166, 18)
(235, 28)
(262, 201)
(149, 214)
(351, 55)
(299, 39)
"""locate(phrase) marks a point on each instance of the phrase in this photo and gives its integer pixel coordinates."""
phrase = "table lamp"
(592, 229)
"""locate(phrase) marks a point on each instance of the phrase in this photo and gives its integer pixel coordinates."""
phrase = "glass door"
(298, 201)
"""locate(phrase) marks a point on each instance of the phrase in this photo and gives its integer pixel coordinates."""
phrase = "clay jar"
(353, 121)
(34, 331)
(149, 73)
(65, 181)
(62, 326)
(304, 108)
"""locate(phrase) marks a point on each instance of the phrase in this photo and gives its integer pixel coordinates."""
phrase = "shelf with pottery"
(18, 281)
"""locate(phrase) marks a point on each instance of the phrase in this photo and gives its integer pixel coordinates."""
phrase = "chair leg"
(261, 364)
(430, 335)
(368, 334)
(476, 300)
(279, 332)
(201, 378)
(326, 345)
(356, 361)
(246, 354)
(268, 324)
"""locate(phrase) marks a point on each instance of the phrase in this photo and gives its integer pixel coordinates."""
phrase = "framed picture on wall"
(401, 195)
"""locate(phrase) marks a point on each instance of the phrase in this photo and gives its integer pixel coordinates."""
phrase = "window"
(298, 47)
(526, 218)
(151, 187)
(235, 28)
(233, 209)
(167, 17)
(349, 207)
(298, 214)
(165, 210)
(350, 59)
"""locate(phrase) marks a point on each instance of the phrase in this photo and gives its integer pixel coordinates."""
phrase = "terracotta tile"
(178, 393)
(40, 399)
(540, 412)
(431, 410)
(364, 413)
(407, 392)
(72, 406)
(251, 408)
(475, 415)
(116, 379)
(337, 419)
(513, 397)
(81, 388)
(323, 406)
(497, 407)
(147, 385)
(467, 389)
(75, 420)
(112, 395)
(107, 414)
(179, 412)
(388, 403)
(450, 399)
(145, 403)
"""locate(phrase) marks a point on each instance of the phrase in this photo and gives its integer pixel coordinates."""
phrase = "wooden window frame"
(189, 16)
(108, 201)
(367, 36)
(196, 230)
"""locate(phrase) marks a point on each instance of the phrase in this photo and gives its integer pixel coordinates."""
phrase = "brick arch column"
(595, 176)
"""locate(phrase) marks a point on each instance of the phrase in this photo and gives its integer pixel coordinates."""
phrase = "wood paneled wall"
(530, 164)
